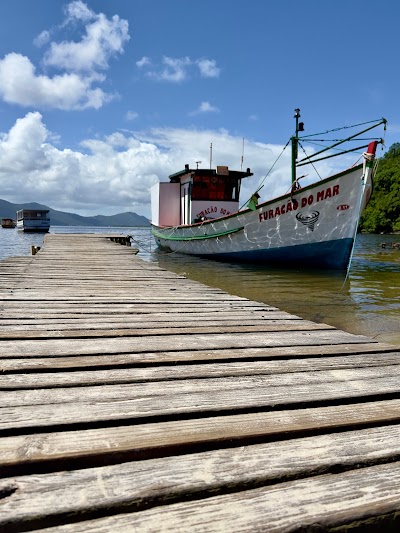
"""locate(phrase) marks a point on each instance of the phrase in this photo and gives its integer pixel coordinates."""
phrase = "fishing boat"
(33, 220)
(197, 212)
(8, 223)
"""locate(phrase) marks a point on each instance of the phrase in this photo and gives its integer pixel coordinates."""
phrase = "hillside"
(61, 218)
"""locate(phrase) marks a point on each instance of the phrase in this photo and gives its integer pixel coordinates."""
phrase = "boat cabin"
(195, 195)
(33, 220)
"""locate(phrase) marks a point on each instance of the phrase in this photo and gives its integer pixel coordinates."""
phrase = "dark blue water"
(367, 303)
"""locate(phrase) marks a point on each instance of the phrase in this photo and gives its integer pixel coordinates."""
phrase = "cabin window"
(223, 188)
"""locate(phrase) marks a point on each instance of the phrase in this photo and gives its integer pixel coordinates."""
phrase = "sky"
(100, 99)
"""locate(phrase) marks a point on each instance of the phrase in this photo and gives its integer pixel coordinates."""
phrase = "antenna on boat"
(295, 142)
(197, 164)
(211, 155)
(241, 159)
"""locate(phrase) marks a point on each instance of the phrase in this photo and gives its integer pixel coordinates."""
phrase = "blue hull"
(333, 255)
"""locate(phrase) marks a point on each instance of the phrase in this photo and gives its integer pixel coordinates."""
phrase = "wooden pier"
(133, 399)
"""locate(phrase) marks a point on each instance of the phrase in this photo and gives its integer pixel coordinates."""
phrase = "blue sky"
(101, 99)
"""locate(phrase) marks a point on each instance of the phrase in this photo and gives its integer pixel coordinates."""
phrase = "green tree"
(382, 214)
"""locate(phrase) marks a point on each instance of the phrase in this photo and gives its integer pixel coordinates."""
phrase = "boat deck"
(134, 399)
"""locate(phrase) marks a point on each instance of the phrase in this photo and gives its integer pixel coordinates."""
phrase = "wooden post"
(34, 249)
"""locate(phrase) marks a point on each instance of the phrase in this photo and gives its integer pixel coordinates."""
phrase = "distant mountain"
(60, 218)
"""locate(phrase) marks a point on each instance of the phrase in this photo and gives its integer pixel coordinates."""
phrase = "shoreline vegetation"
(382, 214)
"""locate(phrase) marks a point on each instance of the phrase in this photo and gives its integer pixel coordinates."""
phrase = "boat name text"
(303, 202)
(213, 209)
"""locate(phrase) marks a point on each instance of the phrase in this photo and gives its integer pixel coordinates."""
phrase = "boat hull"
(328, 255)
(33, 226)
(313, 227)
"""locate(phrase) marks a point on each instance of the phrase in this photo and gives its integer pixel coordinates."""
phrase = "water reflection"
(366, 303)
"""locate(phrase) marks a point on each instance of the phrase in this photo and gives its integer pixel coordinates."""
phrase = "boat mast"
(295, 142)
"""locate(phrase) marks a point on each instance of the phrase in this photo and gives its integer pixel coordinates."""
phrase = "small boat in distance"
(8, 223)
(33, 220)
(197, 212)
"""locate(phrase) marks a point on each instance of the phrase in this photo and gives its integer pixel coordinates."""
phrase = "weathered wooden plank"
(176, 404)
(168, 329)
(178, 284)
(164, 357)
(130, 486)
(98, 271)
(126, 391)
(130, 323)
(94, 320)
(179, 371)
(56, 347)
(58, 294)
(24, 309)
(347, 499)
(98, 300)
(171, 438)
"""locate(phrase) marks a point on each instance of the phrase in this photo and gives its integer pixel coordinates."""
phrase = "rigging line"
(305, 153)
(261, 185)
(340, 150)
(270, 170)
(335, 140)
(378, 121)
(303, 161)
(344, 140)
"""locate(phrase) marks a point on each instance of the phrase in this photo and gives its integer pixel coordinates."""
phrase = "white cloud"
(79, 11)
(113, 174)
(108, 175)
(131, 115)
(77, 86)
(177, 69)
(42, 39)
(19, 84)
(208, 68)
(103, 39)
(20, 148)
(143, 62)
(205, 107)
(174, 70)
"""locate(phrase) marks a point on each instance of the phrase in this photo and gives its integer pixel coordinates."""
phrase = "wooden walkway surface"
(133, 399)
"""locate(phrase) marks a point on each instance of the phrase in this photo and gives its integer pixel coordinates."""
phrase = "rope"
(267, 174)
(312, 164)
(347, 127)
(314, 141)
(145, 245)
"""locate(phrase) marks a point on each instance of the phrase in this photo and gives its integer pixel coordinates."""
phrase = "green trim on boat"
(197, 237)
